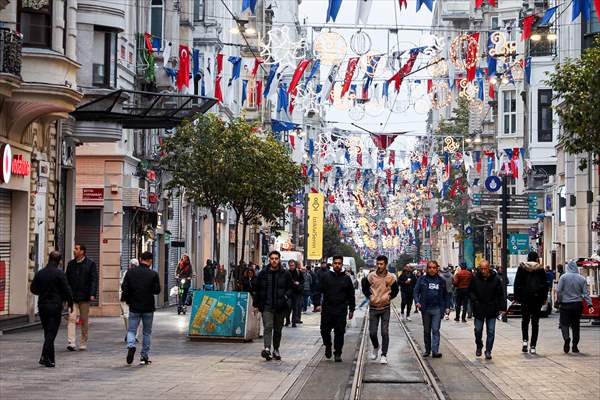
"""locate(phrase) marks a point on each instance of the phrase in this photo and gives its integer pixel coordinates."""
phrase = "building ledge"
(8, 83)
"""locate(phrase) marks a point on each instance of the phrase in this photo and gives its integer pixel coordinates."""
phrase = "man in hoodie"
(462, 280)
(570, 291)
(338, 301)
(446, 274)
(531, 291)
(487, 299)
(431, 298)
(380, 287)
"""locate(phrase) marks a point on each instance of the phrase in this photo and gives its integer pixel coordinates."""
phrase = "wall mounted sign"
(93, 194)
(13, 164)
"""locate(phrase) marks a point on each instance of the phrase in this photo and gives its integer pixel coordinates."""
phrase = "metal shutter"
(87, 233)
(127, 247)
(5, 216)
(174, 252)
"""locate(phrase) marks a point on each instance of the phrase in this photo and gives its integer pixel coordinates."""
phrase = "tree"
(195, 158)
(333, 245)
(575, 86)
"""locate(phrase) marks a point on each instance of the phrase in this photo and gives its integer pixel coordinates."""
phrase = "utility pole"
(504, 249)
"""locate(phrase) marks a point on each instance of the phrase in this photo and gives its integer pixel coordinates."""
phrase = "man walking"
(338, 301)
(323, 269)
(570, 291)
(407, 282)
(139, 286)
(487, 299)
(462, 280)
(273, 296)
(380, 287)
(297, 291)
(446, 274)
(52, 289)
(208, 275)
(431, 298)
(82, 276)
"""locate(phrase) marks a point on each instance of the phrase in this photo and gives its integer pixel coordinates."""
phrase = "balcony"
(10, 61)
(455, 10)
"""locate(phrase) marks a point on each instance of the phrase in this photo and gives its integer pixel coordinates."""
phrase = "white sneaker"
(447, 317)
(408, 319)
(383, 360)
(374, 353)
(532, 350)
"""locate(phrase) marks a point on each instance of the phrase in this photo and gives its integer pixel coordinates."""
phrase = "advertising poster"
(315, 226)
(221, 314)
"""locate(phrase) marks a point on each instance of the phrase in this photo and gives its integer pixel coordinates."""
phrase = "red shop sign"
(93, 194)
(13, 164)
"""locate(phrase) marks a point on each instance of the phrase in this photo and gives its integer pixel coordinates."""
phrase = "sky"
(382, 14)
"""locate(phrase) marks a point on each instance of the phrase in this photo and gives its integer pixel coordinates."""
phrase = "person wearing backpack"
(531, 291)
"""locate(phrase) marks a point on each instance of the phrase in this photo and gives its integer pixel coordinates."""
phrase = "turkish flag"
(183, 75)
(258, 93)
(147, 39)
(218, 91)
(349, 74)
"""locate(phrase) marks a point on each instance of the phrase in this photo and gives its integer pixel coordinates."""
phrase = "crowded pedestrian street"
(300, 199)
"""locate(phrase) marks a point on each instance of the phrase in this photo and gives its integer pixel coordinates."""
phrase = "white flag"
(363, 9)
(167, 54)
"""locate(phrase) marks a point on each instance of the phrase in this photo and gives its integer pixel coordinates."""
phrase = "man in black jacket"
(82, 275)
(273, 294)
(138, 289)
(487, 299)
(52, 289)
(297, 292)
(338, 301)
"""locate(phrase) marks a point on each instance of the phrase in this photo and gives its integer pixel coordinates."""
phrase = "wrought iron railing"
(10, 52)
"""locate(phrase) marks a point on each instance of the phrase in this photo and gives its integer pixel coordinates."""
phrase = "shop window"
(509, 111)
(104, 59)
(545, 115)
(34, 21)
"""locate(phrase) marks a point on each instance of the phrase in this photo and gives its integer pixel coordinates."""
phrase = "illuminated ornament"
(307, 99)
(468, 90)
(502, 47)
(440, 95)
(437, 67)
(279, 48)
(373, 65)
(330, 48)
(422, 105)
(360, 43)
(450, 145)
(339, 102)
(477, 105)
(433, 45)
(464, 52)
(517, 70)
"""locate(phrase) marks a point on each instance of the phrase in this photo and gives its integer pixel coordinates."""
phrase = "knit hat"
(134, 262)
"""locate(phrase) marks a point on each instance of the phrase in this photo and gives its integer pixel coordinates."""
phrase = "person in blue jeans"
(138, 289)
(431, 298)
(487, 297)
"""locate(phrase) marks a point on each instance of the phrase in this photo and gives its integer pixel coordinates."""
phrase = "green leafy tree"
(333, 245)
(196, 160)
(576, 84)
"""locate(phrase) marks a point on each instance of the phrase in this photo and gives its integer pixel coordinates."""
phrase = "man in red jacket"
(462, 280)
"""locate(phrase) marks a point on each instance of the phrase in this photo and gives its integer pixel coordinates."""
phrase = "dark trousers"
(337, 323)
(407, 300)
(50, 314)
(570, 316)
(530, 313)
(490, 324)
(272, 324)
(375, 316)
(297, 302)
(462, 300)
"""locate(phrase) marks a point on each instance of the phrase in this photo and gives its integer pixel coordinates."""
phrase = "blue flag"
(282, 98)
(581, 6)
(491, 61)
(528, 70)
(244, 87)
(281, 126)
(333, 9)
(196, 59)
(236, 65)
(249, 4)
(548, 15)
(313, 71)
(272, 72)
(428, 3)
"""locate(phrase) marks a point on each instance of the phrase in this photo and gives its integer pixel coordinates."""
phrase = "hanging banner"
(315, 226)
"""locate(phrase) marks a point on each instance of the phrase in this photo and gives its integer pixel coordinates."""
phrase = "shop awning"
(143, 110)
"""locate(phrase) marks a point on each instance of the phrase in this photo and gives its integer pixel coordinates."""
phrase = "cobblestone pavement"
(180, 368)
(549, 375)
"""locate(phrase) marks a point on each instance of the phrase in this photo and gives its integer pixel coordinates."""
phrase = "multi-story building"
(38, 90)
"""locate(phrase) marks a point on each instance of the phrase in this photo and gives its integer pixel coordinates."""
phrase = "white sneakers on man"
(383, 360)
(408, 319)
(374, 353)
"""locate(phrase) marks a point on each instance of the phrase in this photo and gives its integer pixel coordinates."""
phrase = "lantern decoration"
(360, 43)
(464, 52)
(440, 95)
(330, 48)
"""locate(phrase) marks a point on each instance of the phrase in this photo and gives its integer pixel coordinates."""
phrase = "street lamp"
(477, 139)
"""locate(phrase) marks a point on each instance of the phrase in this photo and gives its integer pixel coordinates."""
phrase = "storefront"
(14, 233)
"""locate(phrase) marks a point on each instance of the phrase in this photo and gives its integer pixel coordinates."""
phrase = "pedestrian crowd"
(281, 296)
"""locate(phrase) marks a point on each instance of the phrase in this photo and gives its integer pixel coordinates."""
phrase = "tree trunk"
(244, 226)
(237, 237)
(214, 212)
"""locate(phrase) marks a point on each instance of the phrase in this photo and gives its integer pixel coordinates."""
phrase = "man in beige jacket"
(380, 287)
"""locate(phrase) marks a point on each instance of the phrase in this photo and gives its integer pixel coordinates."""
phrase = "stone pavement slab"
(549, 375)
(180, 368)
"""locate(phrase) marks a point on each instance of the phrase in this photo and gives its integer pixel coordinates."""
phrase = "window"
(104, 59)
(543, 47)
(494, 23)
(511, 185)
(34, 21)
(509, 26)
(198, 10)
(156, 23)
(509, 111)
(545, 115)
(122, 52)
